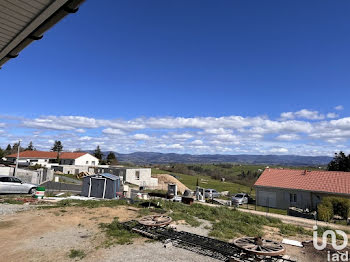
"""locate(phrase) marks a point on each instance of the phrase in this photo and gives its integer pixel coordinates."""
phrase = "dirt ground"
(50, 234)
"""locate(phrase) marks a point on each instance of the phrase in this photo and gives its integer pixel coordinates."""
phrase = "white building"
(50, 158)
(138, 176)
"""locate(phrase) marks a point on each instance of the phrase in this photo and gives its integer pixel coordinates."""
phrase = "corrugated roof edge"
(71, 6)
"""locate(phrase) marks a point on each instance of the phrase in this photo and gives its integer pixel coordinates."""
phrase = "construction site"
(138, 228)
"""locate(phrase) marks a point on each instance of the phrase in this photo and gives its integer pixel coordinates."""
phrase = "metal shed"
(101, 186)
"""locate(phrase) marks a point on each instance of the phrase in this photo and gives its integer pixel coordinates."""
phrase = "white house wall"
(144, 178)
(86, 160)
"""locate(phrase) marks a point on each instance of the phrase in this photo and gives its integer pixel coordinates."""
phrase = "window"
(87, 162)
(15, 180)
(292, 198)
(5, 179)
(137, 175)
(93, 163)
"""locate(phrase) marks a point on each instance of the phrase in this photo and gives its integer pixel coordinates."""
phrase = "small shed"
(101, 186)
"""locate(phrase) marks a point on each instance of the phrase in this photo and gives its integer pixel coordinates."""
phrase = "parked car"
(211, 193)
(240, 199)
(10, 184)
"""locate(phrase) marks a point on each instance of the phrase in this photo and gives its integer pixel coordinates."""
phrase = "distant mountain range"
(161, 158)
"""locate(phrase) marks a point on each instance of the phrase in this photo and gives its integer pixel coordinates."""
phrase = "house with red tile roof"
(284, 188)
(66, 158)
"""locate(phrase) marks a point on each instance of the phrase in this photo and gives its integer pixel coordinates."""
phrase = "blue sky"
(186, 76)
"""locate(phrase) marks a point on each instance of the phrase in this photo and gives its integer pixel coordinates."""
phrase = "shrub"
(76, 253)
(325, 212)
(331, 206)
(341, 206)
(117, 234)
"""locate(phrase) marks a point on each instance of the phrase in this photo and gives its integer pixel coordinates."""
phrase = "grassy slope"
(226, 223)
(207, 182)
(191, 181)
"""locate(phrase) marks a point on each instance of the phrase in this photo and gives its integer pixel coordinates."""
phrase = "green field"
(207, 182)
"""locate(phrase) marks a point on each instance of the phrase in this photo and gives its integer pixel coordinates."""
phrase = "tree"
(2, 153)
(340, 162)
(98, 153)
(57, 146)
(15, 148)
(30, 147)
(8, 150)
(111, 158)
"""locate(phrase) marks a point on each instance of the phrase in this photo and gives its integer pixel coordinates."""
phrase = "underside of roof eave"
(52, 14)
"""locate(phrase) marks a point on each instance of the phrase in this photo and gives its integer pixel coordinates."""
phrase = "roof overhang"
(22, 22)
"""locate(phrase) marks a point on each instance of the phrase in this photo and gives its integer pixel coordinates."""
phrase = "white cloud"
(287, 115)
(304, 113)
(197, 142)
(175, 146)
(80, 130)
(85, 138)
(288, 137)
(182, 136)
(339, 107)
(332, 115)
(307, 114)
(113, 131)
(302, 132)
(278, 150)
(141, 137)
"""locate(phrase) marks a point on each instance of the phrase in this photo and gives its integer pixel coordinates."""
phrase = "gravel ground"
(149, 252)
(202, 230)
(7, 209)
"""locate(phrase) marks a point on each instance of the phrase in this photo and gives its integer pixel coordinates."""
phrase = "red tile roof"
(50, 155)
(71, 155)
(319, 181)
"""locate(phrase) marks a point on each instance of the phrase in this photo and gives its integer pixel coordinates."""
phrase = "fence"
(35, 177)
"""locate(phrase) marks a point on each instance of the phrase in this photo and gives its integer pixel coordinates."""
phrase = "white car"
(10, 184)
(240, 199)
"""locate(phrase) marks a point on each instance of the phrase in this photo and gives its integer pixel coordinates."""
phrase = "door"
(17, 186)
(97, 187)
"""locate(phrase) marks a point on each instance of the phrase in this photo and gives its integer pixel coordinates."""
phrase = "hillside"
(284, 160)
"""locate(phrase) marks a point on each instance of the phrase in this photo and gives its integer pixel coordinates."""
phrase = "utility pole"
(19, 145)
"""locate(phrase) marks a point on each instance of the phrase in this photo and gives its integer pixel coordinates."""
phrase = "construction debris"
(211, 247)
(83, 174)
(155, 220)
(259, 246)
(292, 242)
